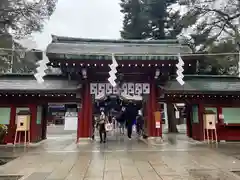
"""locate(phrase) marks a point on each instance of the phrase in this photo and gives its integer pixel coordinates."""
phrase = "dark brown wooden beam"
(102, 63)
(78, 61)
(126, 78)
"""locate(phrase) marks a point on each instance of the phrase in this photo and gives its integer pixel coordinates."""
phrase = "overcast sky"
(83, 18)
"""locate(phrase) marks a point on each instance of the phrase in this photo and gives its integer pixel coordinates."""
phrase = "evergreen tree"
(213, 27)
(135, 23)
(164, 21)
(22, 17)
(207, 26)
(152, 19)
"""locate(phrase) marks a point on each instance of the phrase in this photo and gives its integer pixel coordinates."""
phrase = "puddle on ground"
(10, 177)
(5, 160)
(172, 141)
(236, 172)
(210, 175)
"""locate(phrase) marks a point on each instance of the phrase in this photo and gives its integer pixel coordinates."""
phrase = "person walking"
(101, 126)
(131, 114)
(121, 121)
(140, 123)
(94, 120)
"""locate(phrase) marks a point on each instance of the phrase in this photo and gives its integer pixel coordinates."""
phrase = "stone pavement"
(59, 158)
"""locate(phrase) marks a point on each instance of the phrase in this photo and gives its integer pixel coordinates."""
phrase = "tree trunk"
(172, 121)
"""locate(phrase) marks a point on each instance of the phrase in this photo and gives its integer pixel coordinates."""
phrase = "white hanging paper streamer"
(180, 70)
(39, 78)
(113, 71)
(42, 68)
(30, 44)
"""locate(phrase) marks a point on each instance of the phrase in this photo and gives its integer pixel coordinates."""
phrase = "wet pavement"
(230, 149)
(176, 158)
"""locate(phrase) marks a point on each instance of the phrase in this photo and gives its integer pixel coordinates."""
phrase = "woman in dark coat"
(131, 113)
(121, 120)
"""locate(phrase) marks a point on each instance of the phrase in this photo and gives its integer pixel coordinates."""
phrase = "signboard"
(157, 116)
(127, 90)
(158, 125)
(70, 123)
(177, 114)
(71, 120)
(23, 122)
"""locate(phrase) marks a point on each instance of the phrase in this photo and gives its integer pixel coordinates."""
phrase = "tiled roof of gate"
(205, 84)
(195, 83)
(80, 46)
(12, 82)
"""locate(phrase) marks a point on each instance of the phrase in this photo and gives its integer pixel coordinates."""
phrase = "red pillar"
(33, 123)
(149, 117)
(90, 115)
(84, 115)
(79, 122)
(44, 121)
(200, 118)
(188, 120)
(12, 126)
(219, 110)
(80, 115)
(152, 107)
(157, 132)
(87, 112)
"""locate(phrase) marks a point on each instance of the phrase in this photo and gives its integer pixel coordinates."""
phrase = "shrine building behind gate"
(145, 66)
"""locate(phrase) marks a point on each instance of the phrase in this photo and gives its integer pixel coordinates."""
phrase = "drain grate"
(10, 177)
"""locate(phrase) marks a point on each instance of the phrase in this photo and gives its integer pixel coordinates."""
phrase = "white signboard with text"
(71, 120)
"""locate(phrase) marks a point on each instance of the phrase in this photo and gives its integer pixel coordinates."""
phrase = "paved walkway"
(177, 158)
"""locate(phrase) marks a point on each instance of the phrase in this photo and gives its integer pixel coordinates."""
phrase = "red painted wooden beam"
(87, 111)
